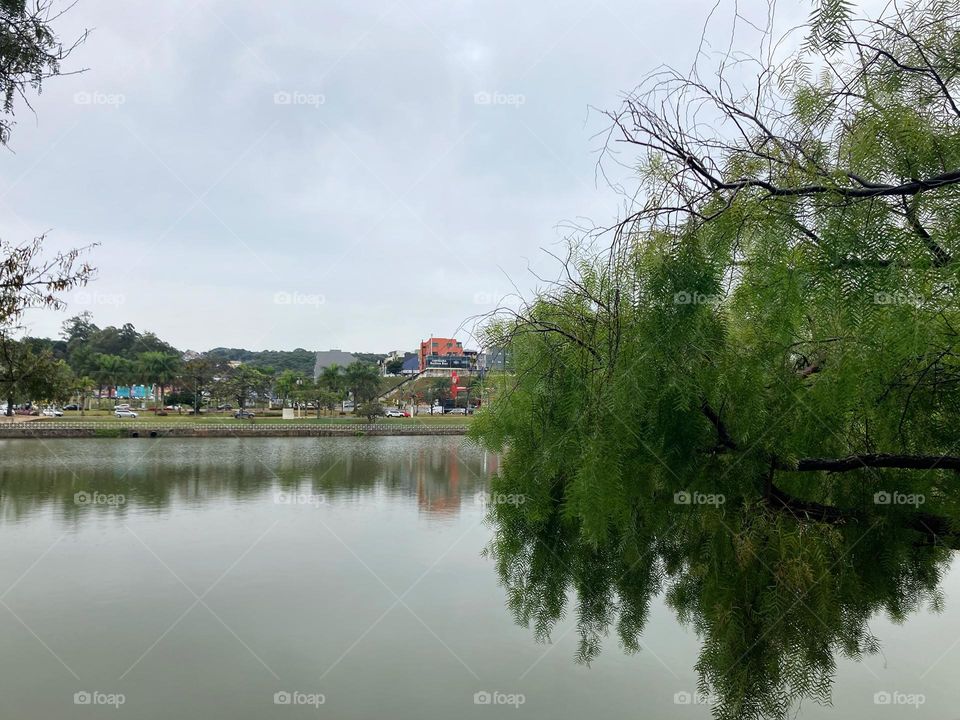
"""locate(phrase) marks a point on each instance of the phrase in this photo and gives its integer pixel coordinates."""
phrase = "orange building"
(441, 347)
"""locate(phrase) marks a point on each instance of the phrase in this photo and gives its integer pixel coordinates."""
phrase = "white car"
(52, 412)
(124, 412)
(394, 413)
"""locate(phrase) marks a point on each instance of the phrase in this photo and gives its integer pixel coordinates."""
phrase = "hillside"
(298, 360)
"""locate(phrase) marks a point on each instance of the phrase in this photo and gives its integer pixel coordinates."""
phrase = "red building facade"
(441, 347)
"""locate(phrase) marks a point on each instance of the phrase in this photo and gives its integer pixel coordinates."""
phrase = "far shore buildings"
(438, 353)
(436, 356)
(326, 358)
(495, 359)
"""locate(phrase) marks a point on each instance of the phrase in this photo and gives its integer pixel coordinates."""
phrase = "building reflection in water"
(434, 473)
(443, 480)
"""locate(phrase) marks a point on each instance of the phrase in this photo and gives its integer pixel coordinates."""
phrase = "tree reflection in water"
(776, 587)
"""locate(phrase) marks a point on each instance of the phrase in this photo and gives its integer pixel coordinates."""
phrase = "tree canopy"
(774, 323)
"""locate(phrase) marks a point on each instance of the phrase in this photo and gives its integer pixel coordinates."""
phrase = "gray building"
(326, 358)
(496, 359)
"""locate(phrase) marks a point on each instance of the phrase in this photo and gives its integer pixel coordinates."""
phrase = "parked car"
(244, 414)
(52, 412)
(124, 413)
(71, 406)
(456, 411)
(122, 406)
(394, 413)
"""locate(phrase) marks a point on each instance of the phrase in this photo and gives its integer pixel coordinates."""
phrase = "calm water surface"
(200, 577)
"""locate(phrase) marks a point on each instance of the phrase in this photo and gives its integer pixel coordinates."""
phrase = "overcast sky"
(327, 174)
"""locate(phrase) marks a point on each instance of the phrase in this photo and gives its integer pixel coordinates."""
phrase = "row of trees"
(30, 376)
(88, 360)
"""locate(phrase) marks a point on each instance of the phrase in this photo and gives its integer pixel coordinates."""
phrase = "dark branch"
(873, 460)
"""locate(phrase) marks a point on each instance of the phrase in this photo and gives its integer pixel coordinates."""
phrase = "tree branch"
(873, 460)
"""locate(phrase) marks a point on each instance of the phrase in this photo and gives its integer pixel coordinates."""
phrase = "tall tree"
(332, 377)
(775, 324)
(113, 370)
(197, 374)
(84, 387)
(286, 383)
(159, 368)
(245, 383)
(24, 375)
(363, 380)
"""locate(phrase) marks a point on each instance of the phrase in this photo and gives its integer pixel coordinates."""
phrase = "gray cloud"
(396, 158)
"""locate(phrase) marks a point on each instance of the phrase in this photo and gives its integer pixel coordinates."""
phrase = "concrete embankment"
(44, 430)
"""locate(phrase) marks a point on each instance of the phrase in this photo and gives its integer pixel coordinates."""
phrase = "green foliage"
(26, 375)
(286, 383)
(827, 22)
(298, 361)
(158, 368)
(786, 295)
(31, 52)
(370, 410)
(244, 384)
(363, 380)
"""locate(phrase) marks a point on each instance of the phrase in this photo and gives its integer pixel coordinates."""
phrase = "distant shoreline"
(153, 429)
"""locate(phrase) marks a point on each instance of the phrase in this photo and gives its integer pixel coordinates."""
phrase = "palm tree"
(363, 379)
(84, 386)
(158, 368)
(331, 377)
(286, 383)
(113, 369)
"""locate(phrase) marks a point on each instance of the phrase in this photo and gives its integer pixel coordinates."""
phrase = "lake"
(332, 577)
